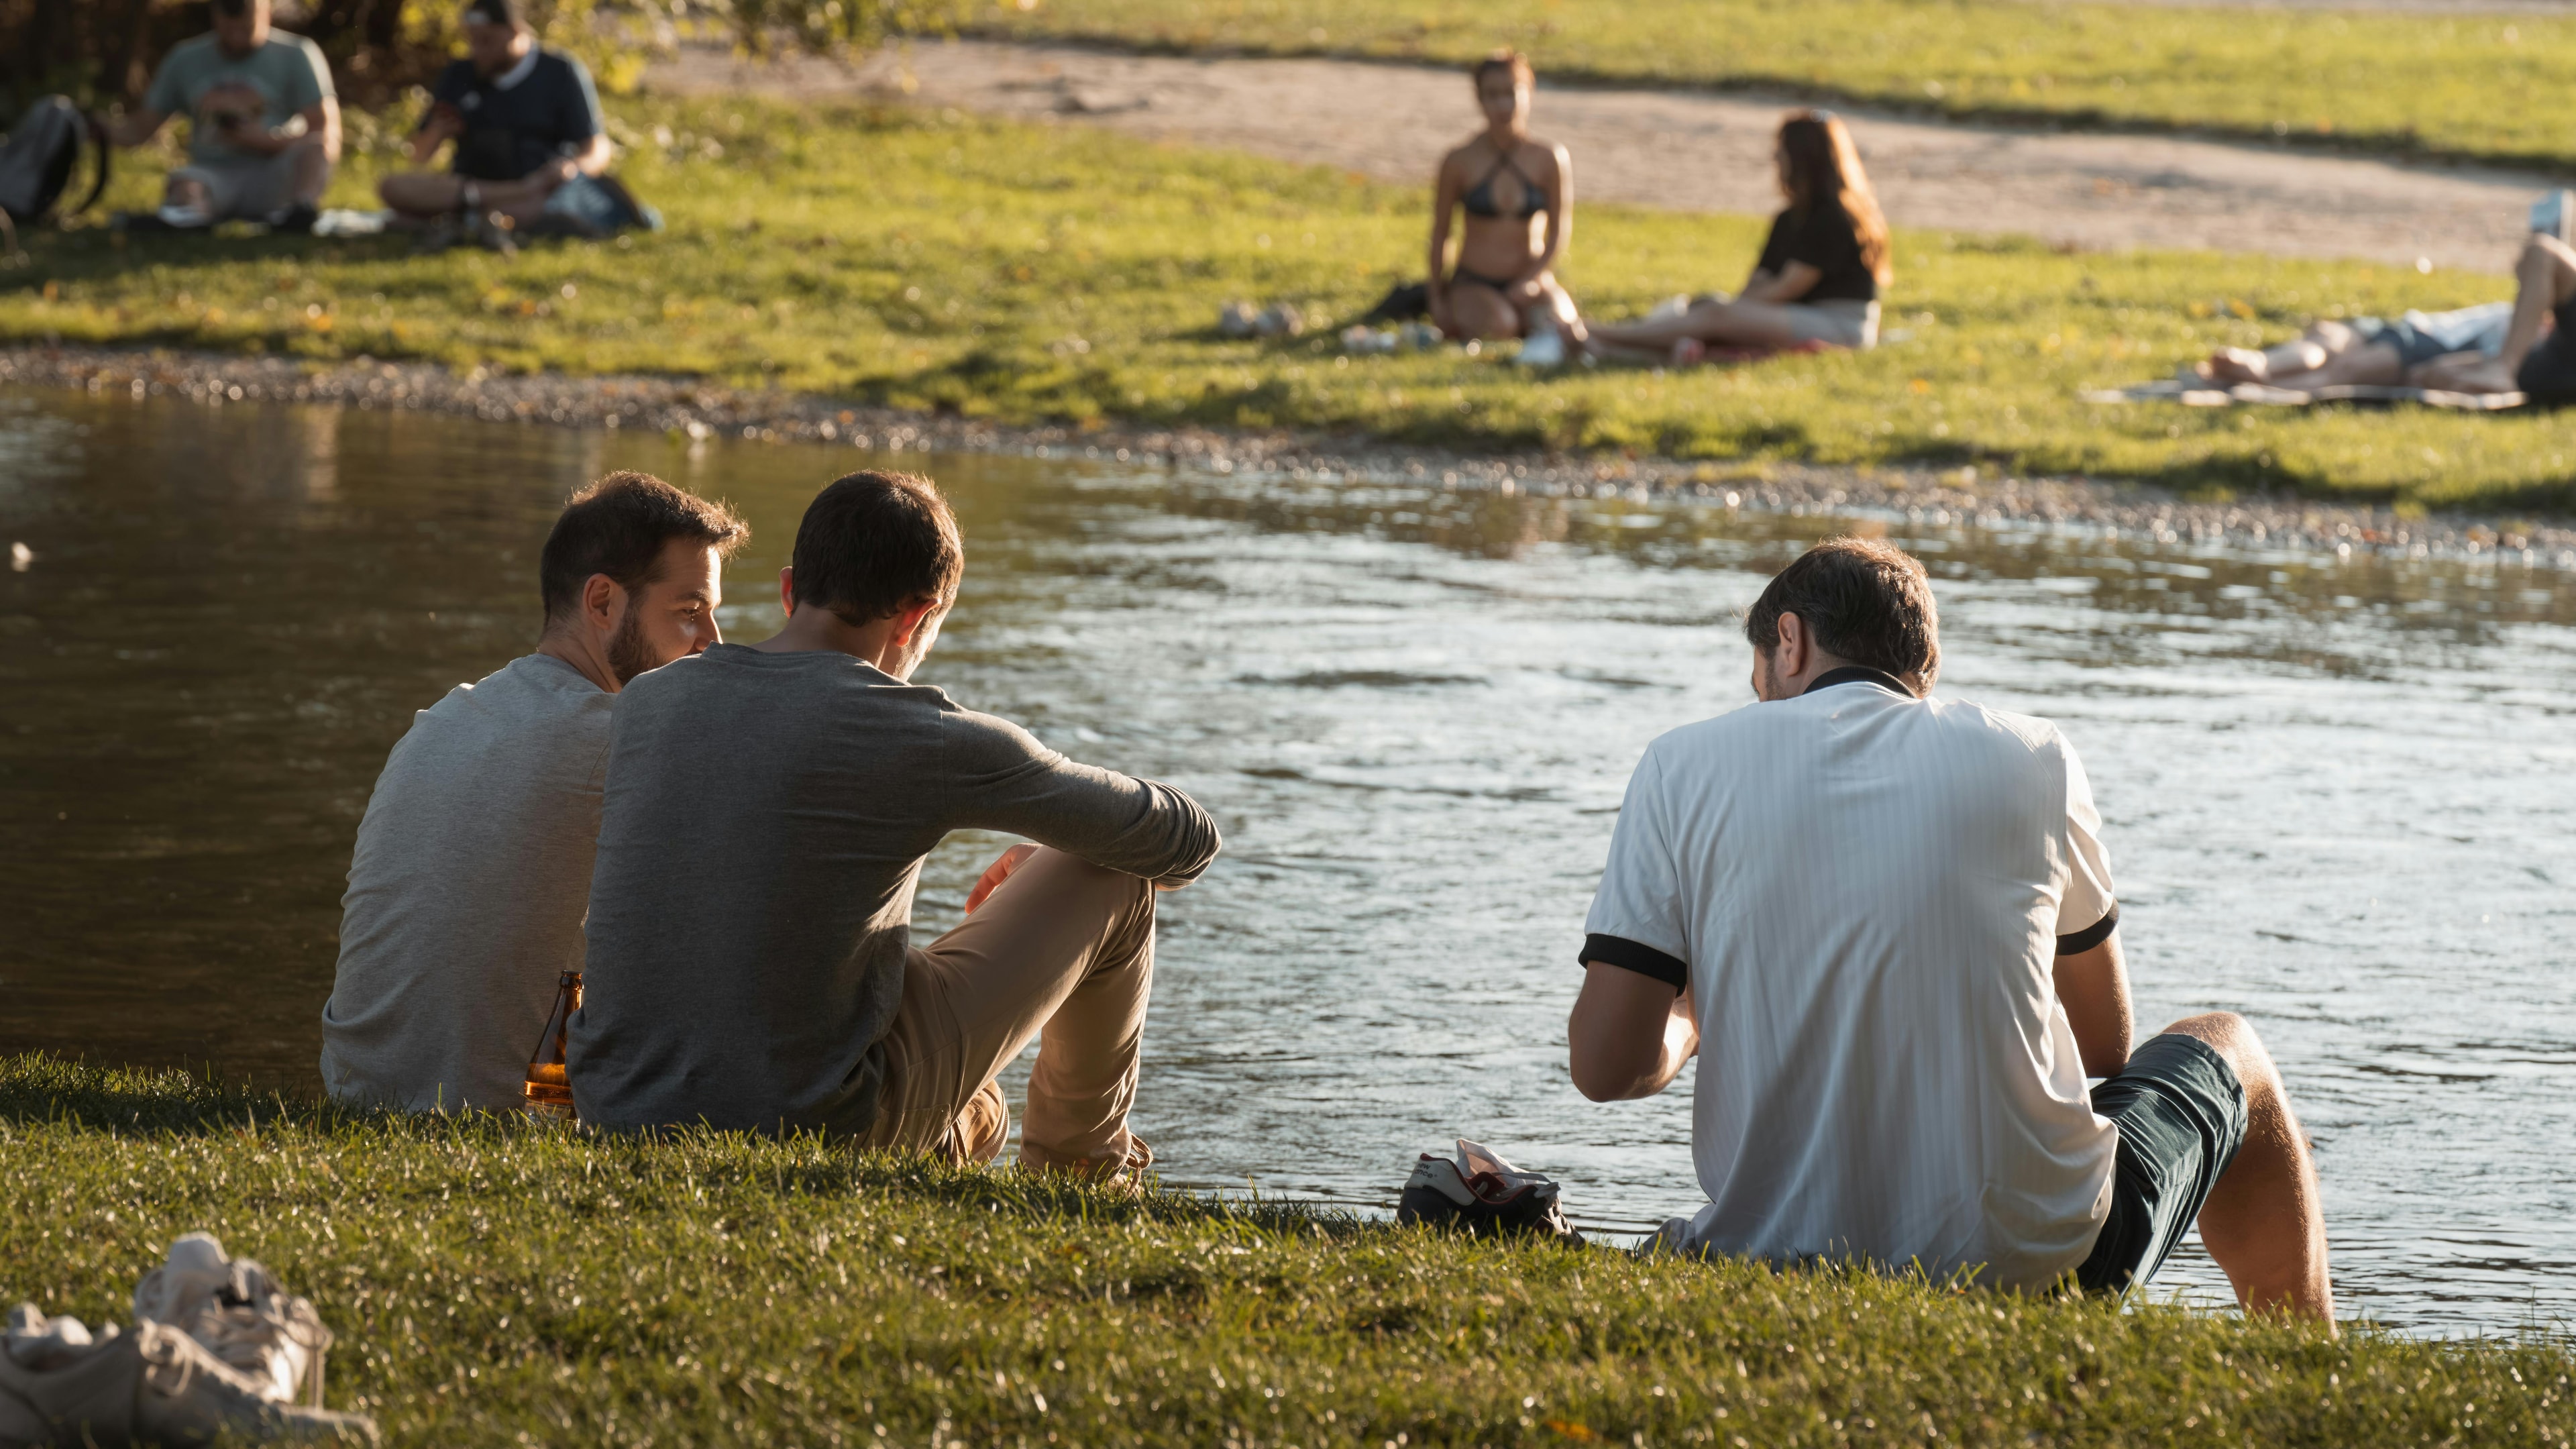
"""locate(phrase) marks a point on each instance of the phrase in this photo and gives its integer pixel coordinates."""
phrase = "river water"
(2340, 796)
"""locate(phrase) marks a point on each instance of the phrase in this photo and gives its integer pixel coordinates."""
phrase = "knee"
(2545, 255)
(2234, 1038)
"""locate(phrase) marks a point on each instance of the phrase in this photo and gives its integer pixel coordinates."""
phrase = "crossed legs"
(423, 195)
(308, 175)
(2263, 1221)
(1062, 951)
(2328, 354)
(1712, 319)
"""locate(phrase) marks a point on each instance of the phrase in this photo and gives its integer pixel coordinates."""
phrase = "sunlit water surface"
(2339, 797)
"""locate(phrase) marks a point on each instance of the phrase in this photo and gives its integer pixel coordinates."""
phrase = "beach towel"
(2194, 391)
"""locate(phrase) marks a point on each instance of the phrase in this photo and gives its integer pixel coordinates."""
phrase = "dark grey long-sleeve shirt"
(765, 821)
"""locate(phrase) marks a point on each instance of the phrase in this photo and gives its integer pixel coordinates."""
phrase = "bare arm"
(1789, 284)
(1444, 200)
(137, 126)
(322, 118)
(439, 127)
(1628, 1035)
(2094, 986)
(594, 157)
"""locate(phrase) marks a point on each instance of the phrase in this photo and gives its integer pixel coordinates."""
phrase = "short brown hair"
(1861, 600)
(1505, 59)
(873, 543)
(618, 526)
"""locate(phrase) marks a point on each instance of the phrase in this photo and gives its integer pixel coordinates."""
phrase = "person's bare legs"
(1062, 951)
(1477, 311)
(1553, 307)
(423, 195)
(2545, 279)
(2328, 354)
(312, 170)
(189, 192)
(2264, 1222)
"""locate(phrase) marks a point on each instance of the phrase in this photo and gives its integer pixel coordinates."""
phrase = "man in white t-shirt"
(472, 872)
(1885, 924)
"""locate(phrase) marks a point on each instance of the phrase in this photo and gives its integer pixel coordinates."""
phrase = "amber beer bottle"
(549, 1088)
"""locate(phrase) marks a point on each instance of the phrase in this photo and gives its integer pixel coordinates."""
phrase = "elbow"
(1606, 1076)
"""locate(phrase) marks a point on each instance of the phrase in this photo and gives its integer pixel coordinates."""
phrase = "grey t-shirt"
(466, 892)
(288, 71)
(765, 824)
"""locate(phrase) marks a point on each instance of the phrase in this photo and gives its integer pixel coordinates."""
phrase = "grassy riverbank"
(1032, 274)
(492, 1284)
(2482, 86)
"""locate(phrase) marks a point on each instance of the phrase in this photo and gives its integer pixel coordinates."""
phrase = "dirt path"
(1700, 152)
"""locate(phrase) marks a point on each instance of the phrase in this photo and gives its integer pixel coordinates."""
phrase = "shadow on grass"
(37, 1088)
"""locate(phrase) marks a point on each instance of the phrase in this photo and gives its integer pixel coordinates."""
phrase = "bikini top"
(1480, 197)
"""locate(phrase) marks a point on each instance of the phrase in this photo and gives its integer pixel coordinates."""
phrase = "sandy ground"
(1702, 152)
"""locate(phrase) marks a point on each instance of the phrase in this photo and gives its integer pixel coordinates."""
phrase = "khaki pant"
(1062, 951)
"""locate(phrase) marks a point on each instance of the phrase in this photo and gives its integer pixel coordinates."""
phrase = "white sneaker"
(155, 1385)
(244, 1317)
(1544, 349)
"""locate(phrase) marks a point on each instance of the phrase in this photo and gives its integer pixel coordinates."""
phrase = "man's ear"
(787, 590)
(1789, 656)
(601, 602)
(907, 621)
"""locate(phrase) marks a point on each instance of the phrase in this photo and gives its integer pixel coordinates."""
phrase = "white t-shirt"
(467, 891)
(1867, 892)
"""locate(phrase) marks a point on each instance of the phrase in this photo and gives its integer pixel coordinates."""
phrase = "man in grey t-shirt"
(473, 862)
(768, 809)
(263, 123)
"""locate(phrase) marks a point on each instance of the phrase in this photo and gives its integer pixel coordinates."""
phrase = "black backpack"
(39, 157)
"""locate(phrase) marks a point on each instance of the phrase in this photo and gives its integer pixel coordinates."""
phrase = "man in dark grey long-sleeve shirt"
(767, 812)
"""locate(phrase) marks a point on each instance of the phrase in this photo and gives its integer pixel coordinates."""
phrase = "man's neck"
(820, 631)
(517, 56)
(578, 651)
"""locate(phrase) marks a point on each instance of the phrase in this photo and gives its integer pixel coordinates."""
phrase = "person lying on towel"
(2524, 345)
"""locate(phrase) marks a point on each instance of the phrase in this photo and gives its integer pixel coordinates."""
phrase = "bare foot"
(2237, 364)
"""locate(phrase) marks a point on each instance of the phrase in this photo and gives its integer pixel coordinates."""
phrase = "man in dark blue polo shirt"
(525, 120)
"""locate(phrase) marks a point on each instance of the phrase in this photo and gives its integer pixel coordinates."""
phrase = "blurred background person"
(1819, 275)
(525, 119)
(263, 124)
(1518, 192)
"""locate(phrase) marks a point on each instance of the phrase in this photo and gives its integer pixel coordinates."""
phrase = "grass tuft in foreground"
(1036, 274)
(494, 1283)
(2476, 85)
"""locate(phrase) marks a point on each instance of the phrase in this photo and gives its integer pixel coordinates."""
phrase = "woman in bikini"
(1820, 273)
(1518, 193)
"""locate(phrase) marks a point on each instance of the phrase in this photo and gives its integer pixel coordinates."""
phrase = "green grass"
(2486, 86)
(1033, 274)
(492, 1283)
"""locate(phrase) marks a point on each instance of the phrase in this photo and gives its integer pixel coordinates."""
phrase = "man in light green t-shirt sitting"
(263, 124)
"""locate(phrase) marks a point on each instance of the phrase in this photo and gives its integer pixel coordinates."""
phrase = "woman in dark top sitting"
(1820, 272)
(1518, 193)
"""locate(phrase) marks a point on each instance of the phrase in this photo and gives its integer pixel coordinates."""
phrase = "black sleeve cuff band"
(1644, 960)
(2091, 936)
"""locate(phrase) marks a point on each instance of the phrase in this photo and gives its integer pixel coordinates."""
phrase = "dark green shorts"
(2181, 1116)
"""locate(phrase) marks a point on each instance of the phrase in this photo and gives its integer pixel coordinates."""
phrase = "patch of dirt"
(1703, 152)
